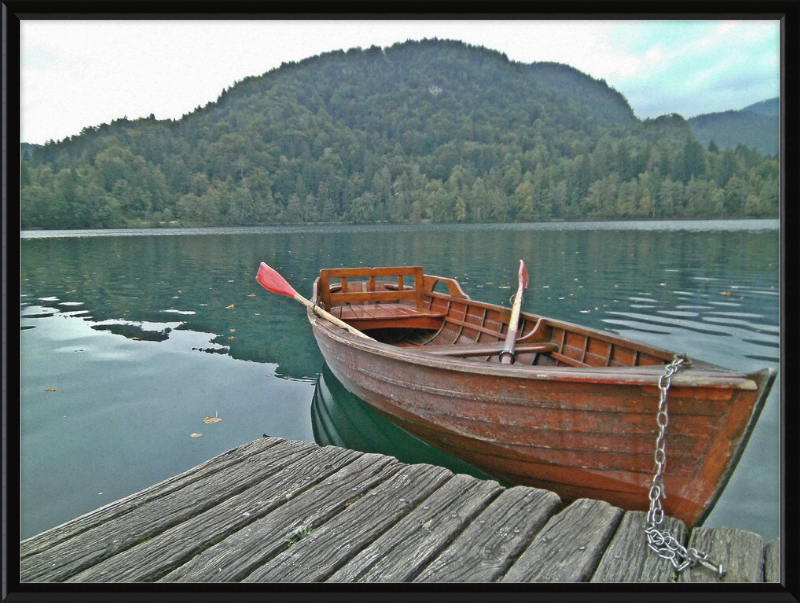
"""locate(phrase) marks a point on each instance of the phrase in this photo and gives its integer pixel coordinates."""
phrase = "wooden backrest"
(391, 288)
(453, 287)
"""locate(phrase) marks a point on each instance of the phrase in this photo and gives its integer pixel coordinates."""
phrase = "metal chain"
(662, 542)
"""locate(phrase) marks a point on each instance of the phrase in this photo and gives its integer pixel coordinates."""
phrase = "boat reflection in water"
(339, 418)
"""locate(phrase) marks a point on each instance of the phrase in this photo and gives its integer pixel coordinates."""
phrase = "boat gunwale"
(702, 374)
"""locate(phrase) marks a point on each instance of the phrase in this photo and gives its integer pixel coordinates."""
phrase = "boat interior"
(404, 307)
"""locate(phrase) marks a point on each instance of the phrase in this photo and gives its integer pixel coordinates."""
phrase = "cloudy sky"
(76, 74)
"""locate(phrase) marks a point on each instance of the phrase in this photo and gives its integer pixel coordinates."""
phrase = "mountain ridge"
(756, 126)
(436, 130)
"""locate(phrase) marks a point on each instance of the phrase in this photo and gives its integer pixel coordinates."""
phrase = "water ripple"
(742, 323)
(679, 313)
(635, 326)
(680, 324)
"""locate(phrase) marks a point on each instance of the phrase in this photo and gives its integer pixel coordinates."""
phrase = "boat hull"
(580, 433)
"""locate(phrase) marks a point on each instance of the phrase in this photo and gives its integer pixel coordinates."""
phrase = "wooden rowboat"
(575, 413)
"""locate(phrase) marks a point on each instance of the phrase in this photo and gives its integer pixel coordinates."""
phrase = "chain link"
(661, 541)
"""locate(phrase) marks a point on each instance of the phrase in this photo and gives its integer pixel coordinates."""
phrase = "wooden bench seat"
(388, 315)
(490, 349)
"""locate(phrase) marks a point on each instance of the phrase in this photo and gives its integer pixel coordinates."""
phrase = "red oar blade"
(523, 274)
(272, 281)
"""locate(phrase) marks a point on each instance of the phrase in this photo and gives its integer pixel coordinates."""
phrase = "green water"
(130, 339)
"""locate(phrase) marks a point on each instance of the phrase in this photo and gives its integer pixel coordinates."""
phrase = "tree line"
(421, 131)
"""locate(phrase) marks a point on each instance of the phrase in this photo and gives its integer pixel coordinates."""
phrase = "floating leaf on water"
(214, 419)
(197, 435)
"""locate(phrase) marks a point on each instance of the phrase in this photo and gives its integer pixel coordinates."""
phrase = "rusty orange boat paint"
(575, 413)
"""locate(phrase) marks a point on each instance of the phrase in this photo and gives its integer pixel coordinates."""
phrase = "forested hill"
(433, 130)
(756, 126)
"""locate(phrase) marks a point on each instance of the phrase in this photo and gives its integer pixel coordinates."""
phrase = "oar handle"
(508, 356)
(329, 317)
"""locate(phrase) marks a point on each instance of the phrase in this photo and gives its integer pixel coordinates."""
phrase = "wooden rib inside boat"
(576, 411)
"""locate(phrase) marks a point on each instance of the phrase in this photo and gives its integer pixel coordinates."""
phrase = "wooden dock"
(276, 510)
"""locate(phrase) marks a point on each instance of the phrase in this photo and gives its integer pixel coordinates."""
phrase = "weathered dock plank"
(54, 536)
(235, 557)
(401, 552)
(628, 558)
(485, 550)
(772, 561)
(155, 515)
(315, 558)
(165, 552)
(741, 552)
(569, 547)
(275, 510)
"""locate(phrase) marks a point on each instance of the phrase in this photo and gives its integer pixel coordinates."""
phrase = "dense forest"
(420, 131)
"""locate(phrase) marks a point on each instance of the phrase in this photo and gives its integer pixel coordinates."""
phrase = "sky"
(77, 74)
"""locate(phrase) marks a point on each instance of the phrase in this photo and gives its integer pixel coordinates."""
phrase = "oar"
(272, 281)
(507, 356)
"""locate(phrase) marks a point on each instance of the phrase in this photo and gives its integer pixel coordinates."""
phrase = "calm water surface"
(130, 339)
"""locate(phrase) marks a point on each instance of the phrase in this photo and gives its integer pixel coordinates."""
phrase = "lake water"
(130, 339)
